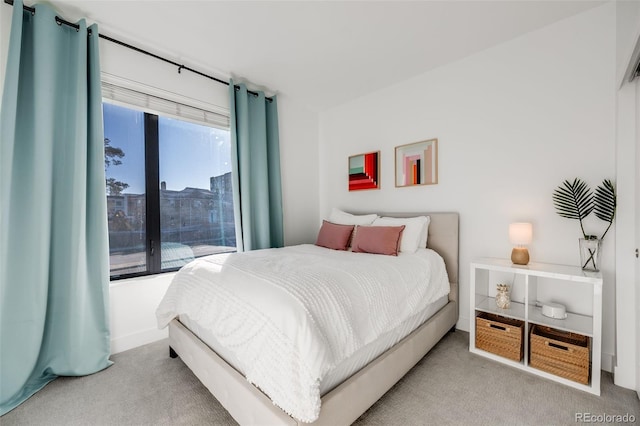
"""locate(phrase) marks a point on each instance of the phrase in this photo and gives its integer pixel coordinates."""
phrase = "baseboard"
(606, 362)
(623, 379)
(463, 324)
(124, 343)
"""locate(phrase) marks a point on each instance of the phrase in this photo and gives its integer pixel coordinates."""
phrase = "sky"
(190, 154)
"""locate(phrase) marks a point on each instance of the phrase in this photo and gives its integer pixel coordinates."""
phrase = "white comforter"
(292, 314)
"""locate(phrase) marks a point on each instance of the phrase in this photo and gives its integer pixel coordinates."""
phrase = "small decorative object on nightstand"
(520, 234)
(503, 298)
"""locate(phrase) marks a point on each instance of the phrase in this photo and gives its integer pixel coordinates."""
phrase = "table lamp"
(520, 234)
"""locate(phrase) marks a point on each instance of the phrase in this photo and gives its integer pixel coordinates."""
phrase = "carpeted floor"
(448, 386)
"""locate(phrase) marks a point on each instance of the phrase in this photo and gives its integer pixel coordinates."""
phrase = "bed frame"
(345, 403)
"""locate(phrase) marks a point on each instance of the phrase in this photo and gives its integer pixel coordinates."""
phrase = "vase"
(590, 253)
(503, 299)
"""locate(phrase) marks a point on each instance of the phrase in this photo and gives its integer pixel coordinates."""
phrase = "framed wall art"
(417, 163)
(364, 171)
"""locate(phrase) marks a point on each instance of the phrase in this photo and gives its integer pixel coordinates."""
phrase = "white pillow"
(415, 231)
(339, 217)
(425, 232)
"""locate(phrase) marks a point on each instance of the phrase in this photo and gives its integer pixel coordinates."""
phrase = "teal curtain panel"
(54, 257)
(255, 152)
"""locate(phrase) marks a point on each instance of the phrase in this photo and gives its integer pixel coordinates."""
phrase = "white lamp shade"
(520, 233)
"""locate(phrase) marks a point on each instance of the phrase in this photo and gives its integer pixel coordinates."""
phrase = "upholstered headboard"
(443, 238)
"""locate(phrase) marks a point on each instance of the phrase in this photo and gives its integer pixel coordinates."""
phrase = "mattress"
(344, 369)
(288, 317)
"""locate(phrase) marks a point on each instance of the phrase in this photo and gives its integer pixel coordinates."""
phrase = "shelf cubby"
(570, 285)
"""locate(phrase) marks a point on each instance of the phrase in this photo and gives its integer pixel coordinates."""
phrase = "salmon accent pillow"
(334, 236)
(377, 239)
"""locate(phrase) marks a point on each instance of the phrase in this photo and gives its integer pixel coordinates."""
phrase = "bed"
(343, 396)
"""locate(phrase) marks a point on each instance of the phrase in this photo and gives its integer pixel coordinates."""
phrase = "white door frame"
(628, 106)
(637, 237)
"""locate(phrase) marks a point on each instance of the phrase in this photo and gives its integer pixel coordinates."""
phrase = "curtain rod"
(181, 67)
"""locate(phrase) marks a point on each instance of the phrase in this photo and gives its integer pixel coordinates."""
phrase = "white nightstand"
(580, 291)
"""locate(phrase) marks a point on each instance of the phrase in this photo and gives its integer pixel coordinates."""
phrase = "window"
(169, 194)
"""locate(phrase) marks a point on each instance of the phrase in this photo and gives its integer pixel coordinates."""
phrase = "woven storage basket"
(561, 353)
(500, 335)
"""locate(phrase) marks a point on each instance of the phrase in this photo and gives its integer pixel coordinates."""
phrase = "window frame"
(152, 188)
(152, 194)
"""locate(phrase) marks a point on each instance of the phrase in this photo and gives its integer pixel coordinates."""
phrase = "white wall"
(628, 102)
(132, 305)
(300, 170)
(512, 122)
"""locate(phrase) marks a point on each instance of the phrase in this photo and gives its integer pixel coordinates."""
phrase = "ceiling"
(319, 53)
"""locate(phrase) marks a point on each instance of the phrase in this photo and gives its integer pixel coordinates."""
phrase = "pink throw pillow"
(377, 239)
(334, 236)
